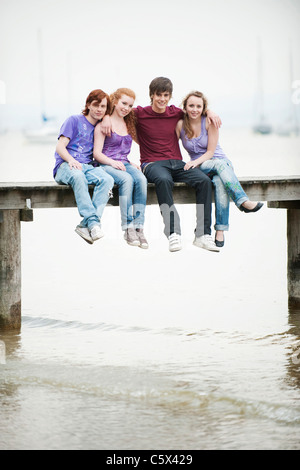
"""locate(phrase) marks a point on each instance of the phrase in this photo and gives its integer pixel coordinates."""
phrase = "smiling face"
(97, 110)
(160, 101)
(124, 105)
(194, 107)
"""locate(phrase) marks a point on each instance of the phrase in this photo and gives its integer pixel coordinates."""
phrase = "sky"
(211, 46)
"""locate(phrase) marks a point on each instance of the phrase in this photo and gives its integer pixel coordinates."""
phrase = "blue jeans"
(132, 186)
(226, 186)
(91, 209)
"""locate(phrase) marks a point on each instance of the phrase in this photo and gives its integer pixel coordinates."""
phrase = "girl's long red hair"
(130, 119)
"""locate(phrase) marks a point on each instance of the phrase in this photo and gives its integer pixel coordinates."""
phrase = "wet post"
(293, 263)
(10, 269)
(293, 248)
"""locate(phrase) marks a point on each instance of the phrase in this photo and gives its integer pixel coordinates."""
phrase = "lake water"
(123, 348)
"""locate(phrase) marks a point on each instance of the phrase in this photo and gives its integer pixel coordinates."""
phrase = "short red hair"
(96, 95)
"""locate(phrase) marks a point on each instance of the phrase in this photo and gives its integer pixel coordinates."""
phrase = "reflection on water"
(2, 352)
(211, 390)
(293, 368)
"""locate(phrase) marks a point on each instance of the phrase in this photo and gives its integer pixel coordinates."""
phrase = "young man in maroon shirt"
(162, 165)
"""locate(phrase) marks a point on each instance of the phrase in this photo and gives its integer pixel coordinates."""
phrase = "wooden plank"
(52, 195)
(284, 204)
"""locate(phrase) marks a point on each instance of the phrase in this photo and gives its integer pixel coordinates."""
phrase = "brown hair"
(96, 95)
(130, 119)
(186, 122)
(160, 85)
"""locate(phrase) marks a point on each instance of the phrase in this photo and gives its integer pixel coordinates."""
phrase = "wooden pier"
(17, 201)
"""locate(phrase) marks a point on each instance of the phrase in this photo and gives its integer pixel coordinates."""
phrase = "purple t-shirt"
(117, 147)
(81, 134)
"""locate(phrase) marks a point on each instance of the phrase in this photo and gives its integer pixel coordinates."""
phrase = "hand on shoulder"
(105, 126)
(213, 118)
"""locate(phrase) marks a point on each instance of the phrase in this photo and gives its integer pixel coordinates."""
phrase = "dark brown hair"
(160, 85)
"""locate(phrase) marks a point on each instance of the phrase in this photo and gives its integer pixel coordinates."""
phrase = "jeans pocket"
(144, 169)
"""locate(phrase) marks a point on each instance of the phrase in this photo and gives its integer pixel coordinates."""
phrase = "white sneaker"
(175, 242)
(84, 233)
(206, 242)
(96, 233)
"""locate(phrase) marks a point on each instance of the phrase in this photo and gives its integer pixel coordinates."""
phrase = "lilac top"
(81, 134)
(117, 147)
(198, 145)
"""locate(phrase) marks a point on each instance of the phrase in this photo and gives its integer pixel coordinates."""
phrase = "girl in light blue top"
(200, 139)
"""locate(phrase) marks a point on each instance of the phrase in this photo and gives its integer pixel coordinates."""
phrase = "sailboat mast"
(261, 127)
(260, 80)
(41, 74)
(293, 111)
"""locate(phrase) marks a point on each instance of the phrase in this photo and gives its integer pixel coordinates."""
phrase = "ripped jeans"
(226, 186)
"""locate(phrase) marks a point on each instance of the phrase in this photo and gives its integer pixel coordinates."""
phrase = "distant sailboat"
(47, 132)
(262, 126)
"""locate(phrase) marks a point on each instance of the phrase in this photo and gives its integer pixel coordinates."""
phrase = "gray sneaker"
(84, 233)
(131, 237)
(206, 242)
(143, 242)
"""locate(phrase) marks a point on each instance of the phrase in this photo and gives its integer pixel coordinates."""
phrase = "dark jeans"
(164, 174)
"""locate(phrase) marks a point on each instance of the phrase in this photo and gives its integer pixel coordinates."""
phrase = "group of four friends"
(93, 149)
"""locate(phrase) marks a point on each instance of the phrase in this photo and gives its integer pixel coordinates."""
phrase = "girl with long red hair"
(111, 152)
